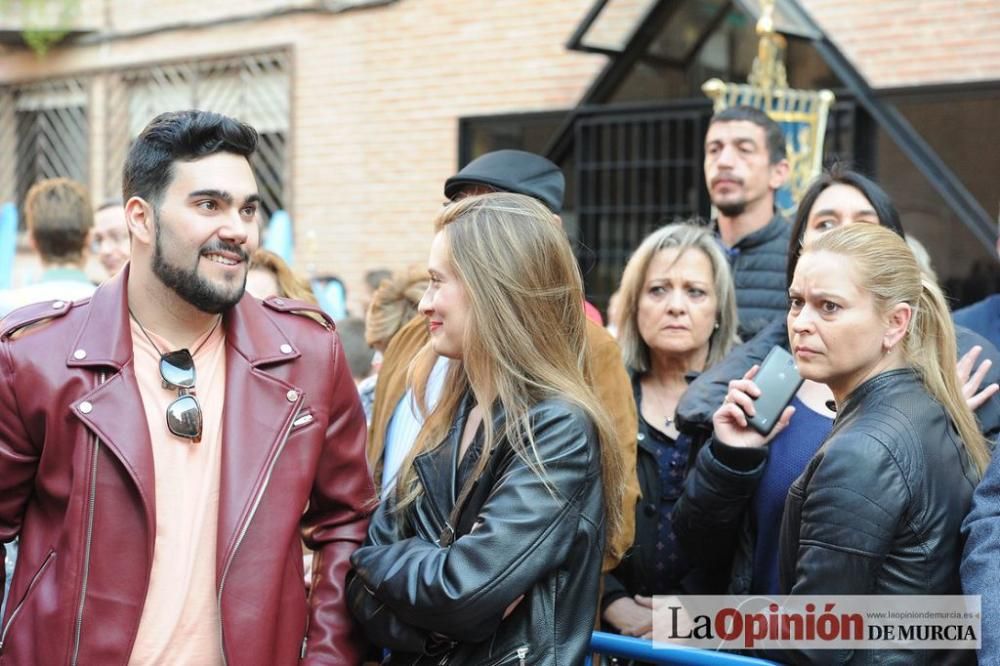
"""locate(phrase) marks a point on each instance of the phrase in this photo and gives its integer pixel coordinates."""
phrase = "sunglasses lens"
(177, 369)
(184, 417)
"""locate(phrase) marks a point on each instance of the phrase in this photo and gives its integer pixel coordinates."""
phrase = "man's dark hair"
(180, 135)
(58, 215)
(773, 135)
(838, 174)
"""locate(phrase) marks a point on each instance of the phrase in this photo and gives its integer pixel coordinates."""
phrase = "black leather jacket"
(437, 593)
(879, 508)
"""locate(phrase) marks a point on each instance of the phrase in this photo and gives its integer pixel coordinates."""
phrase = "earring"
(716, 325)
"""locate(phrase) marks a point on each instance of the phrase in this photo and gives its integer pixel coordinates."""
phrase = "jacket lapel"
(437, 470)
(257, 415)
(257, 412)
(114, 410)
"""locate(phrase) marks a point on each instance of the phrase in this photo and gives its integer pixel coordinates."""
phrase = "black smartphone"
(778, 379)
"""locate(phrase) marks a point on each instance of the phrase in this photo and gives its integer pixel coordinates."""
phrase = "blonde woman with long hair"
(505, 505)
(878, 508)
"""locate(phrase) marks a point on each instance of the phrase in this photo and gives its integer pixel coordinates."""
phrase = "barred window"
(45, 125)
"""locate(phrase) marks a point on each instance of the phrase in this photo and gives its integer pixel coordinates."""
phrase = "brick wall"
(376, 94)
(915, 42)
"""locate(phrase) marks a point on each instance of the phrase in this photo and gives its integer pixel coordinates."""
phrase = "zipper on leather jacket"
(518, 656)
(246, 527)
(27, 594)
(91, 504)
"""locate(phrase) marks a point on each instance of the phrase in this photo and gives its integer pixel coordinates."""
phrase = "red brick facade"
(897, 43)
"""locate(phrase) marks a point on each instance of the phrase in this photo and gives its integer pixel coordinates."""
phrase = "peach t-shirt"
(180, 620)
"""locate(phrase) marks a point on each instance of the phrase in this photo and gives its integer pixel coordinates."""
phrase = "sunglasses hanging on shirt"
(177, 372)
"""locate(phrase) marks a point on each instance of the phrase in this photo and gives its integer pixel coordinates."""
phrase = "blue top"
(405, 425)
(790, 452)
(982, 317)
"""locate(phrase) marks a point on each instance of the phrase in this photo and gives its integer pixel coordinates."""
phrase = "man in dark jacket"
(160, 526)
(745, 165)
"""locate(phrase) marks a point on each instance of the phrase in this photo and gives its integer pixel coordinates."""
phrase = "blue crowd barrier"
(613, 645)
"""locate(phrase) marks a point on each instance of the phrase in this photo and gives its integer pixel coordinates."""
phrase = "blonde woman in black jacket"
(878, 509)
(490, 550)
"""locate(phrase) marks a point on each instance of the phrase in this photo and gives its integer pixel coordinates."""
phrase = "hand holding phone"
(778, 380)
(755, 408)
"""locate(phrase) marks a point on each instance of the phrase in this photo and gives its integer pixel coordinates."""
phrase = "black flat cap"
(514, 171)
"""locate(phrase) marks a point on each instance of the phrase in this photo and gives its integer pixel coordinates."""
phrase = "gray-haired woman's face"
(678, 306)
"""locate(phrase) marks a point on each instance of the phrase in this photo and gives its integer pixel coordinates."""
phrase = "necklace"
(668, 419)
(157, 347)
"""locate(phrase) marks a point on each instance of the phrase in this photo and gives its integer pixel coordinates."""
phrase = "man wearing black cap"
(510, 171)
(519, 172)
(396, 422)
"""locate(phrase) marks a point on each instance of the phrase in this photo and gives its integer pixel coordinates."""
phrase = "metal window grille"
(635, 172)
(45, 133)
(254, 88)
(638, 170)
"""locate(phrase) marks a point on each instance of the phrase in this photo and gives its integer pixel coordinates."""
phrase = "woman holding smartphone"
(489, 551)
(879, 507)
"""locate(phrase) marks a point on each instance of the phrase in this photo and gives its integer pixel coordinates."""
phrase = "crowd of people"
(477, 470)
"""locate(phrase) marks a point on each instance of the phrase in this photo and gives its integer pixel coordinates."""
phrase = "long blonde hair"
(525, 340)
(684, 237)
(890, 272)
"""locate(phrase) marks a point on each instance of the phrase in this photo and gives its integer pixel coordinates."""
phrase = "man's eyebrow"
(212, 194)
(224, 196)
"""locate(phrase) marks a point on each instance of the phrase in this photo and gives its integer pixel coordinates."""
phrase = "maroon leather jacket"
(76, 482)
